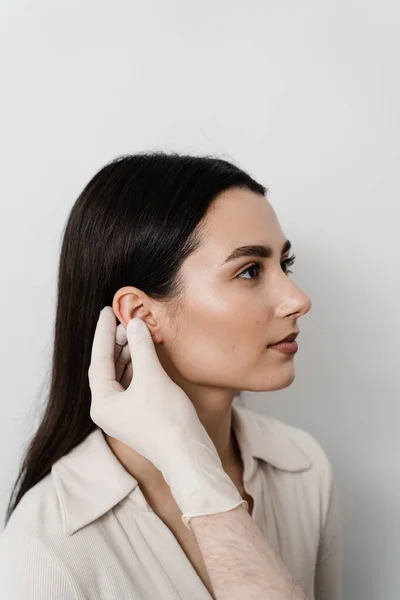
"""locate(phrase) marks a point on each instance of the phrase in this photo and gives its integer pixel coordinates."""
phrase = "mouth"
(287, 345)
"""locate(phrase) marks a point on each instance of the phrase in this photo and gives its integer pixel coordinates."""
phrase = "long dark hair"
(134, 223)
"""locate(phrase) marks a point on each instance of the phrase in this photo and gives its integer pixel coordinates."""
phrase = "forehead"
(240, 217)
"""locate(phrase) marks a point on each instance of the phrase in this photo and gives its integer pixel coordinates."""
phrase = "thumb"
(141, 346)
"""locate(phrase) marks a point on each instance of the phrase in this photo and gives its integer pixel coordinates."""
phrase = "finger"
(102, 365)
(127, 376)
(141, 346)
(119, 369)
(119, 341)
(124, 354)
(121, 351)
(120, 336)
(121, 362)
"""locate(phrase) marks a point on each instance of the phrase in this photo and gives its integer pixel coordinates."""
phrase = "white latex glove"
(156, 418)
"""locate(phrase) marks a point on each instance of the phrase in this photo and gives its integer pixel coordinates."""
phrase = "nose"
(294, 301)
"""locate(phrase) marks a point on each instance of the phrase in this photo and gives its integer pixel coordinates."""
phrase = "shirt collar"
(263, 437)
(90, 480)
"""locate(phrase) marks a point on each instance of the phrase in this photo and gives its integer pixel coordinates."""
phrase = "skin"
(216, 344)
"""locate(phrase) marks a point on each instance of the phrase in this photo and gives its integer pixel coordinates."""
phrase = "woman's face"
(233, 310)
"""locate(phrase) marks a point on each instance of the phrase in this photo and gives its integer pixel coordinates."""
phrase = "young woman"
(192, 247)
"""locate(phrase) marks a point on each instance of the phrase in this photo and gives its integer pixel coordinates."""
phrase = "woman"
(179, 241)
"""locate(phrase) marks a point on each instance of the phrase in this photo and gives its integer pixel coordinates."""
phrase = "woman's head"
(216, 330)
(147, 235)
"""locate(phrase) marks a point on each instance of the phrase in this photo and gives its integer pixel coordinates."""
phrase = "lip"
(285, 347)
(289, 338)
(288, 345)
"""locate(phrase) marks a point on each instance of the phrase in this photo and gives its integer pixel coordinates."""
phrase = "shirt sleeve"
(28, 571)
(327, 581)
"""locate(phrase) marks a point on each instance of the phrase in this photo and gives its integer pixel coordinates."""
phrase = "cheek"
(211, 345)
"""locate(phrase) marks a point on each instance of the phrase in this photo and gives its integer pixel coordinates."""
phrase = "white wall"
(304, 95)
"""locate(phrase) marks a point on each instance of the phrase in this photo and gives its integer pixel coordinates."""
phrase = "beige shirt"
(86, 531)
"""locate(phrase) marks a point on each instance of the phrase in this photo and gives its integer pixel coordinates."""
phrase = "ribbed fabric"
(86, 531)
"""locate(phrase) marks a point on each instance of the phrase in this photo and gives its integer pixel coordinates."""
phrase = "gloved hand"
(156, 418)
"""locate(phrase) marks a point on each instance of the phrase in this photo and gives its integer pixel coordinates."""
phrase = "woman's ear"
(130, 302)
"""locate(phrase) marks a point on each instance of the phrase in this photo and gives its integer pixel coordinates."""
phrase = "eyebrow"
(260, 251)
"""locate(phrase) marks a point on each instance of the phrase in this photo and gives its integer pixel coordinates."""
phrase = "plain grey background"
(303, 95)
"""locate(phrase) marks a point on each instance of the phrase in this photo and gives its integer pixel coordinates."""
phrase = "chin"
(272, 382)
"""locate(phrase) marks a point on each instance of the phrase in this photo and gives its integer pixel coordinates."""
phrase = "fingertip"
(137, 326)
(107, 312)
(132, 323)
(120, 336)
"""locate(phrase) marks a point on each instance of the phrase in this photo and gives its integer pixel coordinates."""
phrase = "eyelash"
(258, 266)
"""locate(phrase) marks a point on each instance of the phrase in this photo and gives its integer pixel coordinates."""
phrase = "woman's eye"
(288, 263)
(254, 267)
(257, 267)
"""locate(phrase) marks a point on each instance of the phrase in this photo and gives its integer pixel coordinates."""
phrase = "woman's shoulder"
(303, 469)
(287, 446)
(35, 516)
(31, 549)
